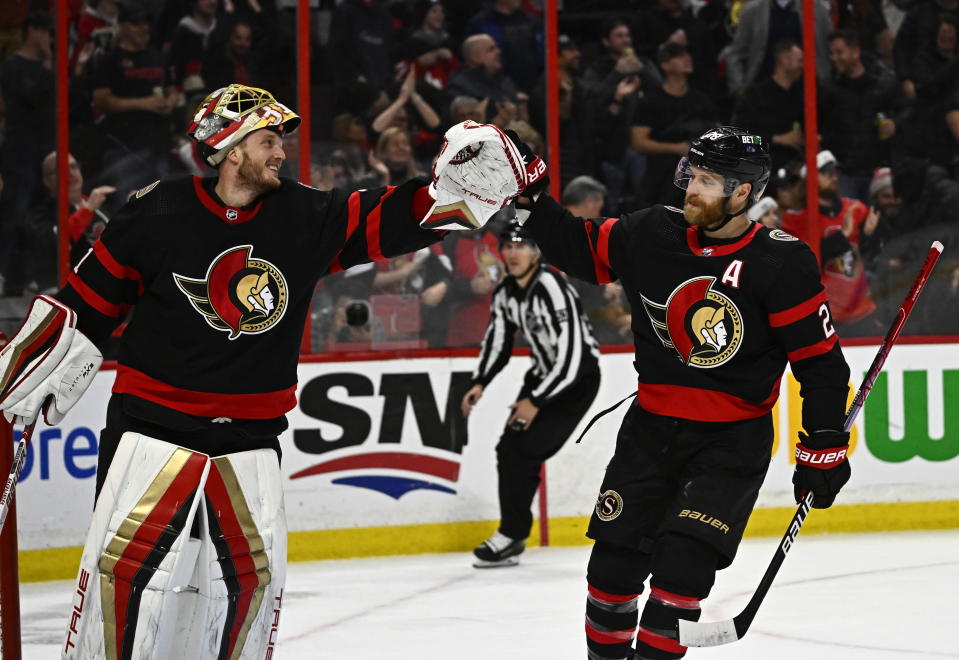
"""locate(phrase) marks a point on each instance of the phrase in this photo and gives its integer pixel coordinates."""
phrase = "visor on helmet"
(710, 181)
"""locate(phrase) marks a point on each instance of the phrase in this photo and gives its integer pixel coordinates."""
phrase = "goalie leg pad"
(242, 567)
(137, 552)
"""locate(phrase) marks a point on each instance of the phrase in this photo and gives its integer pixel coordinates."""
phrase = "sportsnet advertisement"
(378, 443)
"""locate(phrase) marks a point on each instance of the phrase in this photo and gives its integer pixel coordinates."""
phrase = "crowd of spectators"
(638, 79)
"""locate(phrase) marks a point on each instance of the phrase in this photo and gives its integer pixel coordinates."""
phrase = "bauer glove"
(821, 466)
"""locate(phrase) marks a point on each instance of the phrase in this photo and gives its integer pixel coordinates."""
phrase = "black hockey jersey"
(714, 322)
(549, 314)
(219, 294)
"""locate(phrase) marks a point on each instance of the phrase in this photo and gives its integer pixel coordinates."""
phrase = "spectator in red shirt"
(839, 229)
(40, 231)
(476, 270)
(95, 29)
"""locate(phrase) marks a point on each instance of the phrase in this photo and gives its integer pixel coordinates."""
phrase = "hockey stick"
(9, 491)
(715, 633)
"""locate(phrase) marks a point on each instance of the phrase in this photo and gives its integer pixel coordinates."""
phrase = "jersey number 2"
(826, 321)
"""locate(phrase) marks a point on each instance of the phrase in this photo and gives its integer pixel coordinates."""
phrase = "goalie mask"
(229, 114)
(478, 171)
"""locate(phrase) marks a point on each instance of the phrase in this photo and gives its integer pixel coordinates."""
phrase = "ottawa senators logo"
(240, 295)
(703, 326)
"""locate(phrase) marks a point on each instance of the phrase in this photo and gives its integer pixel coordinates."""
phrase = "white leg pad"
(241, 570)
(138, 553)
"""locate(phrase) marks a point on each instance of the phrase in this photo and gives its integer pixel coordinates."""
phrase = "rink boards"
(374, 463)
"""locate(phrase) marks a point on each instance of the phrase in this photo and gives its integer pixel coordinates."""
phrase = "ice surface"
(842, 597)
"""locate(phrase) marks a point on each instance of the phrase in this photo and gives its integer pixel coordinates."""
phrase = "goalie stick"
(715, 633)
(9, 490)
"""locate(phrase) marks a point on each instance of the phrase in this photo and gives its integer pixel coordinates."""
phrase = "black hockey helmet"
(738, 155)
(513, 232)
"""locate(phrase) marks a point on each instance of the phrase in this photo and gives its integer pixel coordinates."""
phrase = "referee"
(556, 393)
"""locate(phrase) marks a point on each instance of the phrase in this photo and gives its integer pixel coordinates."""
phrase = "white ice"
(849, 597)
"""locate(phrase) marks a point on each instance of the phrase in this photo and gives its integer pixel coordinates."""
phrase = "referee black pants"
(520, 454)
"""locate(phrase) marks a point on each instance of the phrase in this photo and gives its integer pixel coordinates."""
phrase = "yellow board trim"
(63, 563)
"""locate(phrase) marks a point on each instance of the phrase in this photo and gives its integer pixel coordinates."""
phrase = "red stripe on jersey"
(600, 270)
(228, 214)
(611, 637)
(603, 243)
(604, 597)
(800, 311)
(659, 642)
(244, 567)
(674, 600)
(422, 203)
(692, 239)
(353, 216)
(144, 542)
(115, 268)
(373, 228)
(818, 348)
(335, 265)
(95, 300)
(701, 405)
(265, 405)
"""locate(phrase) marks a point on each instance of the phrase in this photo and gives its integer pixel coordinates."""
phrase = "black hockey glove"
(821, 466)
(536, 172)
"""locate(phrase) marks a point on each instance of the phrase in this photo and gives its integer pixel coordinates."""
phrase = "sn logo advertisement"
(432, 462)
(350, 404)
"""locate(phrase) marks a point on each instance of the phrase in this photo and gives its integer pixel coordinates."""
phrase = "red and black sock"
(610, 624)
(658, 629)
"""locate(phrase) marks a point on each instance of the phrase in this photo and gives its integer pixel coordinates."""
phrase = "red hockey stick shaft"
(10, 489)
(715, 633)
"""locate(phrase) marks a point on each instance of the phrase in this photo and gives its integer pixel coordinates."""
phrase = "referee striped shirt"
(549, 314)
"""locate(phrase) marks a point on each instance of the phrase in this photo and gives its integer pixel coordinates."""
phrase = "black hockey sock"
(658, 629)
(610, 624)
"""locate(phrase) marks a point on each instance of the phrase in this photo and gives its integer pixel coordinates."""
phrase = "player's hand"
(536, 169)
(524, 412)
(474, 394)
(821, 466)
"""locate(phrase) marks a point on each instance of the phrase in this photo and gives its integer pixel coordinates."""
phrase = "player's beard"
(254, 177)
(700, 213)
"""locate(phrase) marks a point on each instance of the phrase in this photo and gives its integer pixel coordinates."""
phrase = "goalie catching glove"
(478, 171)
(821, 466)
(47, 366)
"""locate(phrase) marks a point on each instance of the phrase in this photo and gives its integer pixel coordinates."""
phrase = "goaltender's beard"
(700, 213)
(256, 177)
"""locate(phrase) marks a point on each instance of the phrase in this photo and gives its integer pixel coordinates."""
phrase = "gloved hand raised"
(821, 466)
(537, 173)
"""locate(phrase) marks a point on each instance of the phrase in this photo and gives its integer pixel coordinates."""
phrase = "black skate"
(498, 551)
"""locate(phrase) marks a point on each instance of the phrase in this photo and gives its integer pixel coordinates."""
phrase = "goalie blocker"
(185, 558)
(47, 366)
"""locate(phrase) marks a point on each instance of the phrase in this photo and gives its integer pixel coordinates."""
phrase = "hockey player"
(219, 274)
(720, 305)
(557, 390)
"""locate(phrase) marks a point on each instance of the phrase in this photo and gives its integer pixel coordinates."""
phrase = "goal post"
(9, 568)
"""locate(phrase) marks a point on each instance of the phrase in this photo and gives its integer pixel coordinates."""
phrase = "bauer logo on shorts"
(240, 294)
(609, 505)
(703, 326)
